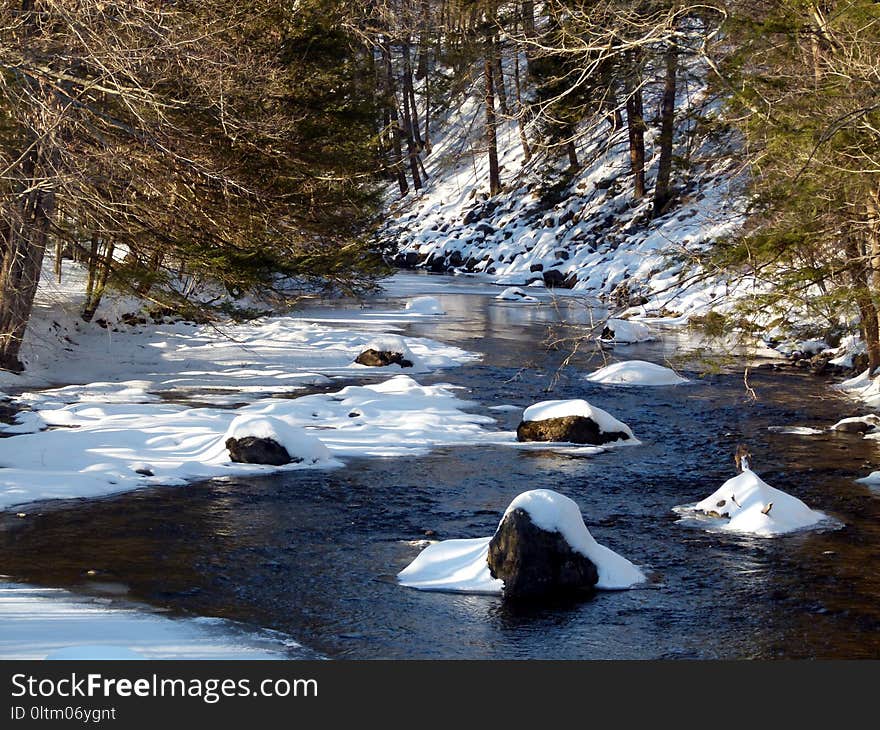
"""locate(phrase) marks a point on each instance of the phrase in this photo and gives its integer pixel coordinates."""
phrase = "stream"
(313, 553)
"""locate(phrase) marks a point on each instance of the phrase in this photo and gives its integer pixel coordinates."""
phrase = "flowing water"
(314, 553)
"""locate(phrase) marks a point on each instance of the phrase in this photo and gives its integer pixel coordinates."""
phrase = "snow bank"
(545, 410)
(459, 566)
(756, 508)
(635, 372)
(626, 332)
(424, 305)
(105, 444)
(862, 387)
(300, 445)
(217, 363)
(50, 623)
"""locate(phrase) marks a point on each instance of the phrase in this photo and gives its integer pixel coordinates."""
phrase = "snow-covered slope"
(584, 232)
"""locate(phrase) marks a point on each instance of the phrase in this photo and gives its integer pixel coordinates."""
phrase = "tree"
(803, 78)
(217, 134)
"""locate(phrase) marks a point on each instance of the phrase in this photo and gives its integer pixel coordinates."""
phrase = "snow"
(592, 235)
(25, 422)
(862, 387)
(635, 372)
(870, 420)
(850, 346)
(626, 332)
(223, 362)
(459, 566)
(424, 305)
(96, 448)
(515, 294)
(548, 409)
(452, 566)
(745, 499)
(796, 430)
(51, 623)
(301, 446)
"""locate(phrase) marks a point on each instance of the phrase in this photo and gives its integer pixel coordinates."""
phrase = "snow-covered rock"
(635, 372)
(515, 294)
(747, 504)
(424, 305)
(299, 445)
(461, 566)
(857, 424)
(626, 332)
(25, 422)
(385, 351)
(572, 421)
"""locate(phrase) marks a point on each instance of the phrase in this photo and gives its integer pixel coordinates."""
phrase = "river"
(313, 553)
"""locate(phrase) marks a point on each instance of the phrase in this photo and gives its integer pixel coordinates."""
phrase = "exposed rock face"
(255, 450)
(534, 563)
(569, 429)
(382, 358)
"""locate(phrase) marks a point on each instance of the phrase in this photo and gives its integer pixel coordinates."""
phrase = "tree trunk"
(500, 89)
(635, 124)
(59, 251)
(662, 190)
(528, 18)
(858, 271)
(491, 131)
(394, 125)
(571, 151)
(521, 111)
(102, 275)
(28, 224)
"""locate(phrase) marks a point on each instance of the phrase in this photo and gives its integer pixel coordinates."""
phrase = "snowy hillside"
(583, 231)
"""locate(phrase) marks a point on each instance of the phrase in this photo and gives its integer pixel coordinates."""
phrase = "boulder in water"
(382, 358)
(570, 421)
(535, 563)
(257, 450)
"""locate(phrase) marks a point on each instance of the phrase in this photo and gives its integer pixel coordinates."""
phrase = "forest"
(253, 144)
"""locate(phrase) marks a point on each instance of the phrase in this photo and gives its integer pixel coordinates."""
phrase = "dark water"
(313, 553)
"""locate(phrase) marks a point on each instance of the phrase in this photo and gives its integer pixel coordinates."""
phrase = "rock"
(568, 429)
(381, 358)
(485, 229)
(860, 362)
(534, 563)
(554, 278)
(535, 268)
(454, 260)
(411, 259)
(255, 450)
